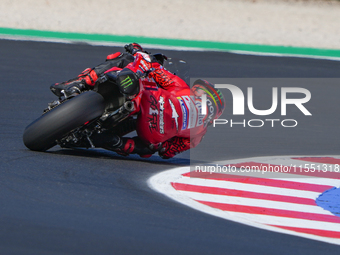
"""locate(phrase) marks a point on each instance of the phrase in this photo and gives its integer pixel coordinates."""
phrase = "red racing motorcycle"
(70, 122)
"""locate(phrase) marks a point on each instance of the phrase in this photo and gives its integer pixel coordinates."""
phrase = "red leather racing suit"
(170, 115)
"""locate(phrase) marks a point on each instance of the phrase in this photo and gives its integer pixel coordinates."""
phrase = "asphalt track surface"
(96, 202)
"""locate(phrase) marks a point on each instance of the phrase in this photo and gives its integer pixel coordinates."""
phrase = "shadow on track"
(104, 154)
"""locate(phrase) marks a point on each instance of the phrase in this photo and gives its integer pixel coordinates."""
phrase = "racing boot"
(73, 87)
(70, 88)
(122, 145)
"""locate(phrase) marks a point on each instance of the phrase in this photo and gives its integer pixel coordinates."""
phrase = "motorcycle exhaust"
(129, 106)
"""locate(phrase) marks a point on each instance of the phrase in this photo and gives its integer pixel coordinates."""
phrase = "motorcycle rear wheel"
(42, 133)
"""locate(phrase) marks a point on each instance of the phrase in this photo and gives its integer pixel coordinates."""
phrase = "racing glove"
(133, 48)
(174, 146)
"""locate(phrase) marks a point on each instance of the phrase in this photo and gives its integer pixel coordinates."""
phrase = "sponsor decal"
(127, 82)
(189, 101)
(201, 115)
(161, 115)
(153, 114)
(184, 112)
(156, 115)
(174, 113)
(191, 109)
(211, 112)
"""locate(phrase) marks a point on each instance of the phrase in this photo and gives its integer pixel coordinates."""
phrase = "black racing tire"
(42, 133)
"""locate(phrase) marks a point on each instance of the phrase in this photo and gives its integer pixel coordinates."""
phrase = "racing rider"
(169, 120)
